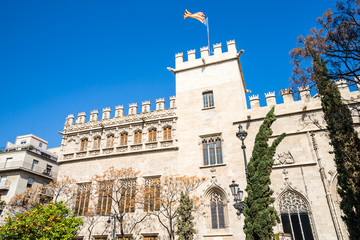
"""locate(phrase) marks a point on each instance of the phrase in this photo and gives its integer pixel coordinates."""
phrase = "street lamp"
(241, 134)
(109, 221)
(239, 205)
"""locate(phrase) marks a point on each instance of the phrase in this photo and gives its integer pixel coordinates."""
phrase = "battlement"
(119, 112)
(205, 58)
(305, 96)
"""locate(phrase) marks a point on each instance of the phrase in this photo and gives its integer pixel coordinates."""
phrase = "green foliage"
(346, 144)
(260, 216)
(185, 229)
(42, 222)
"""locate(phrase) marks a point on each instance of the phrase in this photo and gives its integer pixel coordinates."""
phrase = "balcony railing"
(31, 148)
(28, 166)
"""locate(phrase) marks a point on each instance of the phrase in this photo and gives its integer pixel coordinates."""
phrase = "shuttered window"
(123, 139)
(84, 144)
(110, 141)
(137, 137)
(152, 135)
(167, 133)
(82, 199)
(96, 144)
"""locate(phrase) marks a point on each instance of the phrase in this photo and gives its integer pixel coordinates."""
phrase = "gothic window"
(96, 144)
(110, 140)
(217, 211)
(137, 137)
(84, 143)
(127, 203)
(212, 151)
(152, 195)
(104, 198)
(295, 216)
(123, 138)
(152, 135)
(82, 199)
(167, 133)
(208, 99)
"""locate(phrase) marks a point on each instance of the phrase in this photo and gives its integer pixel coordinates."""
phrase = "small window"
(167, 133)
(34, 166)
(152, 135)
(84, 144)
(48, 169)
(151, 238)
(96, 144)
(137, 137)
(30, 183)
(212, 151)
(23, 142)
(8, 162)
(40, 144)
(208, 99)
(110, 141)
(3, 181)
(123, 139)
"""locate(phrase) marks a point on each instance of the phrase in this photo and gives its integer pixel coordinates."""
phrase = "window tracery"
(295, 216)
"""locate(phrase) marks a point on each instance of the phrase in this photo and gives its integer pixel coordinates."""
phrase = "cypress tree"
(260, 216)
(346, 144)
(185, 229)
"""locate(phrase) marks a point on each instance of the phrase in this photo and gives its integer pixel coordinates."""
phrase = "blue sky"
(62, 57)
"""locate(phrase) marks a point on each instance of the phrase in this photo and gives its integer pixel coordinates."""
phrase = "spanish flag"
(199, 16)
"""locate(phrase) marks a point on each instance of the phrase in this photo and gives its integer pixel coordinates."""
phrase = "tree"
(185, 229)
(53, 221)
(346, 144)
(118, 194)
(260, 216)
(162, 198)
(337, 41)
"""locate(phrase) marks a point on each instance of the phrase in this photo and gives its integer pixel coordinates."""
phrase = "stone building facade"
(197, 136)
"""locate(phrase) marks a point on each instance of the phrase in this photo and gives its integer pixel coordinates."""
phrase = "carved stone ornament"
(283, 158)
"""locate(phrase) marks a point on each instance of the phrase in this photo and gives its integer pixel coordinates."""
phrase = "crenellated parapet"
(205, 57)
(120, 118)
(305, 98)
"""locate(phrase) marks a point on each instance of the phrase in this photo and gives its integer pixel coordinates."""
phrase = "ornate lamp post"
(241, 134)
(109, 221)
(239, 205)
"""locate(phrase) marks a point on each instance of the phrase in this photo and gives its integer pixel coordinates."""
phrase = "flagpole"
(207, 27)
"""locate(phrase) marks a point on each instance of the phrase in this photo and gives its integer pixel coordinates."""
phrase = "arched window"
(167, 133)
(217, 211)
(123, 138)
(110, 140)
(295, 216)
(152, 135)
(96, 144)
(137, 137)
(84, 143)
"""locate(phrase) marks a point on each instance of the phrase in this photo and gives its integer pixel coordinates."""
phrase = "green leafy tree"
(53, 221)
(260, 216)
(185, 229)
(346, 144)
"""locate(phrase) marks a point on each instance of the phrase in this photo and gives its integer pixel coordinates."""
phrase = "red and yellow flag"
(199, 16)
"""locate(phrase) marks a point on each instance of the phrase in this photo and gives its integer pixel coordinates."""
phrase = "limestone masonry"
(197, 136)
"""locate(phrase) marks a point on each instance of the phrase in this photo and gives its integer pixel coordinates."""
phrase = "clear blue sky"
(61, 57)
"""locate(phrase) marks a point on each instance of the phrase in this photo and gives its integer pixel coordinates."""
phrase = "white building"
(24, 164)
(197, 136)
